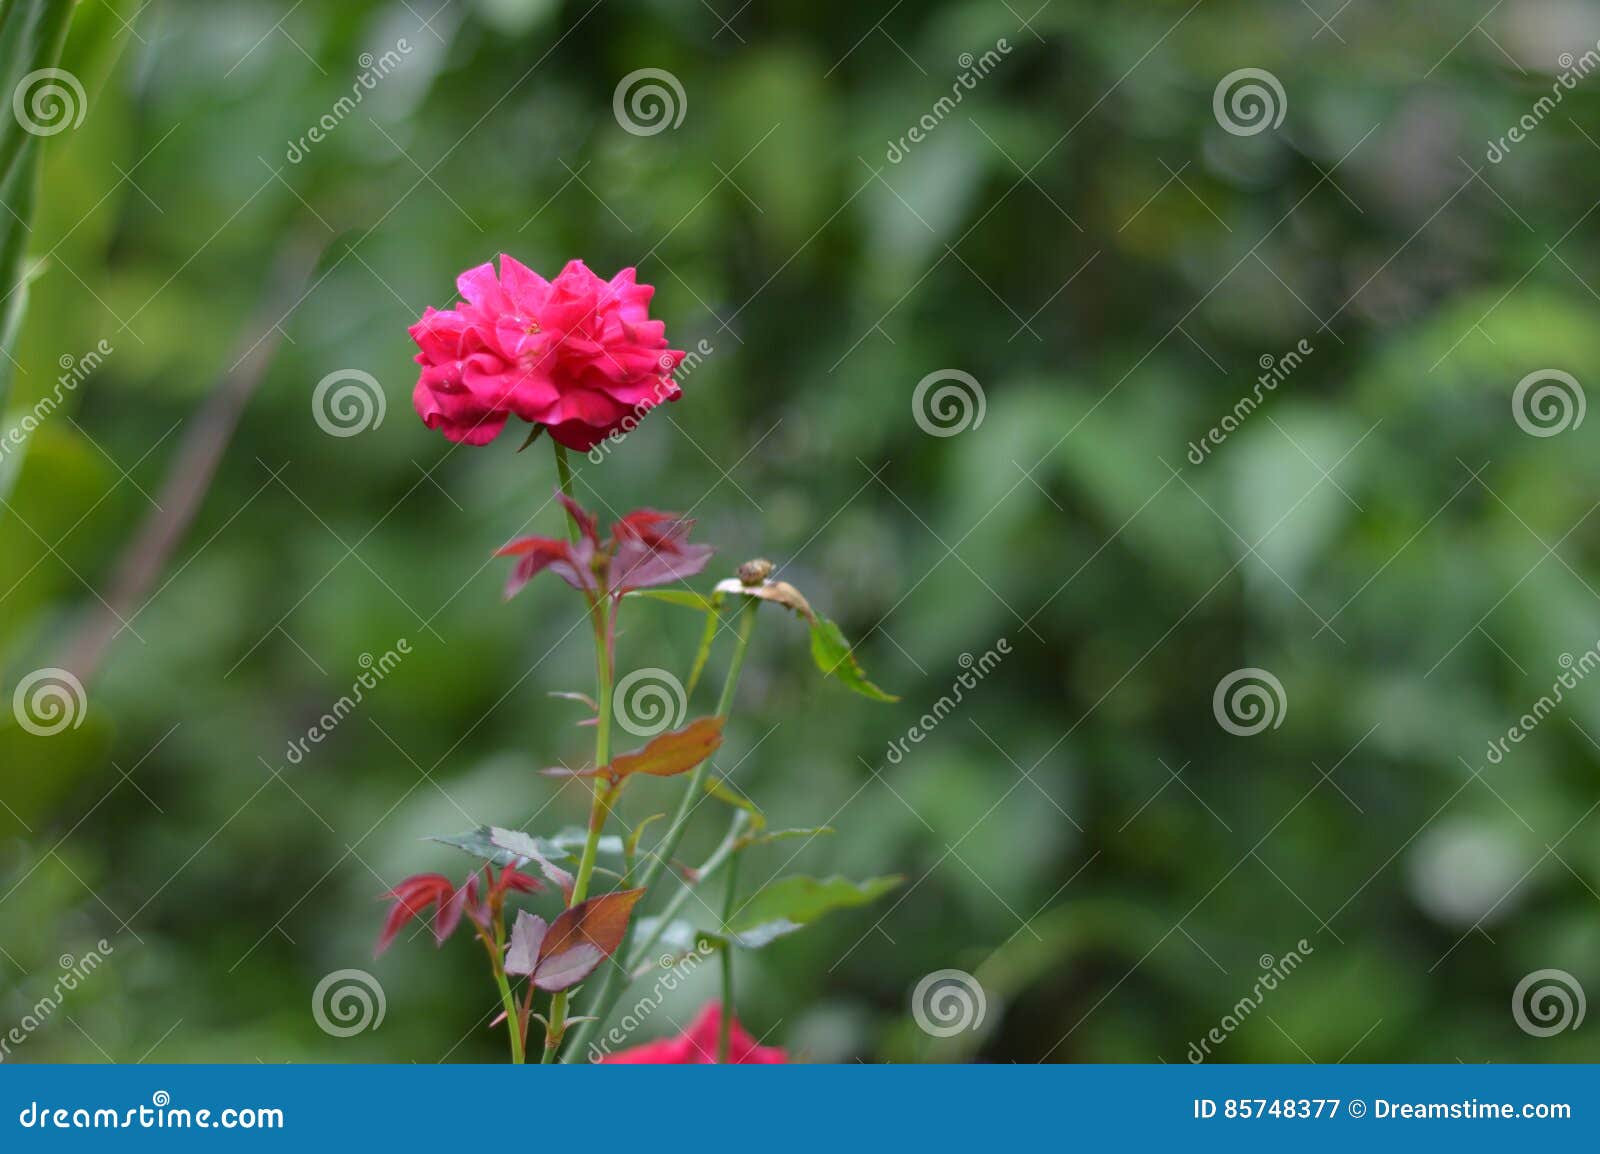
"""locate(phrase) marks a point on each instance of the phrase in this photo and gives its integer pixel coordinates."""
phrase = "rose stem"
(564, 475)
(725, 1030)
(611, 987)
(496, 949)
(600, 807)
(604, 643)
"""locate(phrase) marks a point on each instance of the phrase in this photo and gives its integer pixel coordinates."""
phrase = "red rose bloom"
(576, 355)
(698, 1046)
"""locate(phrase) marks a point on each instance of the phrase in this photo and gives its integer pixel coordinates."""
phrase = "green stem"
(612, 985)
(564, 476)
(725, 1033)
(599, 808)
(507, 999)
(730, 846)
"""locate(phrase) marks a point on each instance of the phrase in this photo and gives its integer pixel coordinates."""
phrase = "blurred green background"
(1082, 236)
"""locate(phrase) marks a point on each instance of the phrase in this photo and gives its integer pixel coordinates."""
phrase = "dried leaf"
(778, 592)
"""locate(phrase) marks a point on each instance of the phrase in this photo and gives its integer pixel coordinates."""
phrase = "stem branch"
(612, 985)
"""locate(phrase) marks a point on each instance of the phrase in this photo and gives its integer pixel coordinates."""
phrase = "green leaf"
(721, 789)
(795, 902)
(786, 834)
(570, 842)
(31, 35)
(832, 654)
(679, 936)
(477, 843)
(631, 848)
(527, 846)
(687, 598)
(563, 847)
(514, 847)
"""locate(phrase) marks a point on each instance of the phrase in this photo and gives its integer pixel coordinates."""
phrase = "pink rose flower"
(698, 1046)
(577, 355)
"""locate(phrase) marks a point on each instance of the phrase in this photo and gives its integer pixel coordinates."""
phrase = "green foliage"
(792, 903)
(31, 35)
(1112, 910)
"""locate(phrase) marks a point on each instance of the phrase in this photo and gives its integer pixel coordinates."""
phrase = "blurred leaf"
(795, 902)
(31, 35)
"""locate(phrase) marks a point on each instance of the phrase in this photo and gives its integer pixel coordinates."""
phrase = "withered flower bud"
(753, 573)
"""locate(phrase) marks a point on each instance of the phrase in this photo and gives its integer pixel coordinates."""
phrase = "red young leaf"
(599, 922)
(527, 934)
(568, 968)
